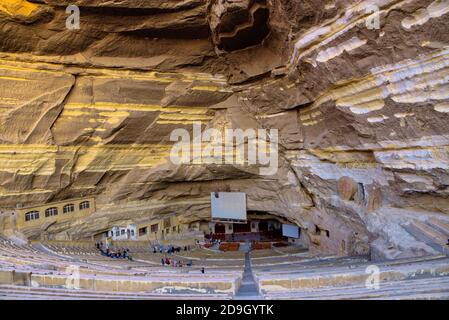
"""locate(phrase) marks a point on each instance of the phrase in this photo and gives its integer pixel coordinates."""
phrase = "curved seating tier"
(75, 270)
(60, 266)
(346, 278)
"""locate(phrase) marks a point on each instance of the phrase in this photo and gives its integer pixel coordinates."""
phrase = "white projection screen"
(290, 230)
(228, 206)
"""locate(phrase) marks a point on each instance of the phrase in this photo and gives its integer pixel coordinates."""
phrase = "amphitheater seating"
(200, 257)
(439, 225)
(70, 270)
(434, 232)
(409, 289)
(260, 245)
(345, 278)
(44, 270)
(280, 244)
(229, 246)
(72, 248)
(30, 293)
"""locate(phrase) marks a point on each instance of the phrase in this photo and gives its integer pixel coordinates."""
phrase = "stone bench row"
(199, 284)
(344, 276)
(30, 293)
(402, 289)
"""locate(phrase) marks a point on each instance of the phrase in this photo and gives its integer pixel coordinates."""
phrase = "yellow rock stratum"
(18, 8)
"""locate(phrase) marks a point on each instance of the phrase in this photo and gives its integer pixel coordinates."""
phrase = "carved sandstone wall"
(362, 113)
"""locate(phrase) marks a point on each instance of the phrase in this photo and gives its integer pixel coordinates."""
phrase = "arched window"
(68, 208)
(51, 212)
(84, 205)
(32, 215)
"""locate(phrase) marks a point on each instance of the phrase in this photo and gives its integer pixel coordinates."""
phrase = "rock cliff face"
(362, 111)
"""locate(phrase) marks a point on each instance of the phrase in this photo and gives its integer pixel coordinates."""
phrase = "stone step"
(439, 225)
(248, 288)
(432, 233)
(309, 264)
(430, 236)
(345, 276)
(403, 288)
(327, 265)
(421, 296)
(47, 293)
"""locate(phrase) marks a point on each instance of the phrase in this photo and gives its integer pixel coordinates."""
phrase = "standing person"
(202, 270)
(162, 261)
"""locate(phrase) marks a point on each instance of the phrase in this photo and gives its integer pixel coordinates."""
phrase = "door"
(220, 228)
(263, 226)
(240, 228)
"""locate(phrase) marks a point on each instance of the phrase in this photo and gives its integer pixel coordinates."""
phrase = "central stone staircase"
(248, 288)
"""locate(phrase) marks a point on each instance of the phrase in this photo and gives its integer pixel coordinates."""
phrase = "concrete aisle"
(248, 289)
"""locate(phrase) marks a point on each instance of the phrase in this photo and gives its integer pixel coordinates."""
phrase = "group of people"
(215, 241)
(105, 251)
(170, 249)
(175, 263)
(124, 254)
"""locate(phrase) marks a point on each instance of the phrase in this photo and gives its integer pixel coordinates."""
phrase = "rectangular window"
(143, 231)
(154, 228)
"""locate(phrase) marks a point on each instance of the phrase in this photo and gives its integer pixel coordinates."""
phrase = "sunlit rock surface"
(362, 113)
